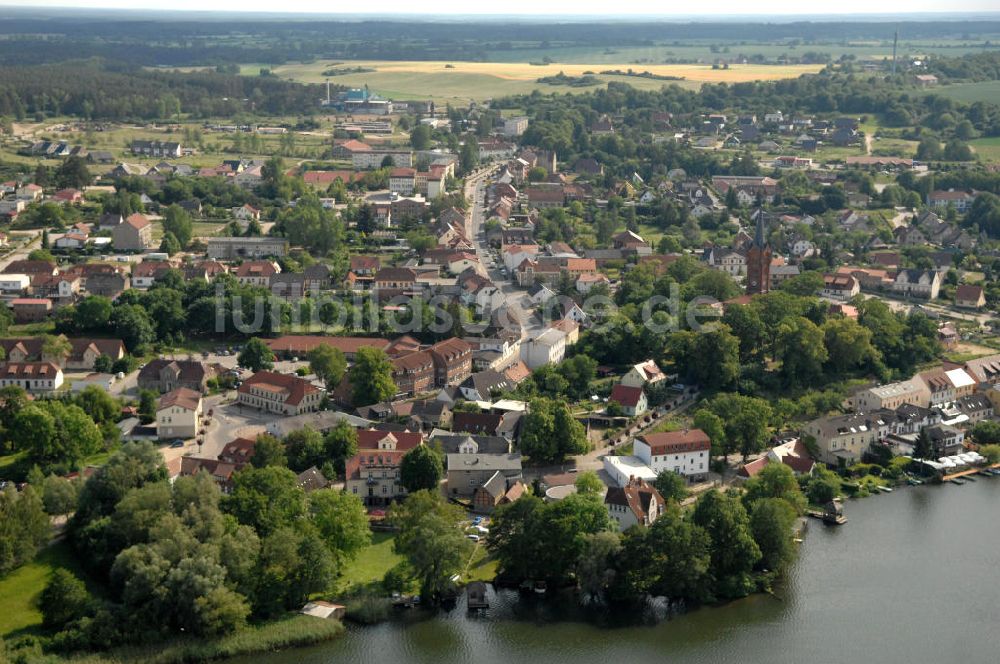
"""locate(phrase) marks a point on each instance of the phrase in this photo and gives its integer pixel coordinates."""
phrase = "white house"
(549, 347)
(638, 503)
(642, 374)
(178, 413)
(31, 376)
(683, 452)
(631, 399)
(515, 254)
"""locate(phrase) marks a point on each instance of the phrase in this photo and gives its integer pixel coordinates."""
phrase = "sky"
(513, 8)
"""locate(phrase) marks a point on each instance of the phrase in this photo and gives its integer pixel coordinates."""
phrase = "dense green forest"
(115, 91)
(153, 39)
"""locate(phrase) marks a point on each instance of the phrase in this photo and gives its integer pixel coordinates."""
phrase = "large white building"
(684, 452)
(549, 347)
(623, 469)
(369, 159)
(515, 126)
(913, 391)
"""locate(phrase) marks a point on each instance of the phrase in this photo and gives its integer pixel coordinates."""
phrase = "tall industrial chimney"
(895, 42)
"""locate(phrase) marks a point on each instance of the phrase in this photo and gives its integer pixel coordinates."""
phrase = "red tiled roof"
(626, 395)
(296, 387)
(673, 442)
(184, 397)
(137, 221)
(368, 439)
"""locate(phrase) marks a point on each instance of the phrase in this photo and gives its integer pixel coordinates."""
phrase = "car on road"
(177, 442)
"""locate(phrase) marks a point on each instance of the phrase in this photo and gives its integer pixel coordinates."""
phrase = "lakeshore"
(857, 593)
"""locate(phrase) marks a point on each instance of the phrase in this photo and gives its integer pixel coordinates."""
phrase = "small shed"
(475, 594)
(322, 609)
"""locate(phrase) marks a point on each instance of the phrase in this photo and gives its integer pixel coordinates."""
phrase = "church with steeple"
(759, 260)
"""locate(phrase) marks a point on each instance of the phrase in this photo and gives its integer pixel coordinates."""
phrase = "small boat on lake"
(957, 481)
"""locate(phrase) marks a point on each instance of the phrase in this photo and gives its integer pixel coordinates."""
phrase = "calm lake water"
(913, 577)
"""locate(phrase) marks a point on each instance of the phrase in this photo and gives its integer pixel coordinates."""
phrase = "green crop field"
(971, 92)
(987, 148)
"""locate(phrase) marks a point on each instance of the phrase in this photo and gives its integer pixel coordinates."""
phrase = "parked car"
(177, 442)
(474, 538)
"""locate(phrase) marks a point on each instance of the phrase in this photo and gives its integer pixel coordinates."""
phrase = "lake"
(913, 577)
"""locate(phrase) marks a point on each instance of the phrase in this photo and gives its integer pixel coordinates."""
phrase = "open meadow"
(476, 81)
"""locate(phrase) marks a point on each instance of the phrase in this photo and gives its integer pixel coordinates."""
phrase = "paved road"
(516, 298)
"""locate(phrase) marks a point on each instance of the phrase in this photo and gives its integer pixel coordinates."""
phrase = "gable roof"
(625, 395)
(183, 397)
(675, 442)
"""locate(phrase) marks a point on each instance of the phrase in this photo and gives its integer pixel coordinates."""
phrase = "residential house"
(792, 453)
(145, 274)
(468, 472)
(220, 471)
(890, 397)
(31, 309)
(238, 451)
(373, 476)
(842, 287)
(643, 374)
(134, 234)
(969, 296)
(638, 503)
(483, 385)
(163, 375)
(505, 425)
(632, 400)
(985, 371)
(107, 284)
(256, 273)
(498, 490)
(391, 281)
(178, 414)
(841, 440)
(947, 385)
(32, 377)
(917, 283)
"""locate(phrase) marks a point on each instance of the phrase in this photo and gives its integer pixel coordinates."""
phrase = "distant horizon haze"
(555, 10)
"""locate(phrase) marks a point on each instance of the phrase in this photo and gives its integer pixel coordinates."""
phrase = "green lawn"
(371, 563)
(19, 590)
(482, 566)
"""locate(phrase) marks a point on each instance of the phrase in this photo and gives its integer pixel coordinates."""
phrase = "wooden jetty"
(831, 514)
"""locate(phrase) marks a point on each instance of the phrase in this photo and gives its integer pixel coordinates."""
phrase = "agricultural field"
(988, 149)
(708, 52)
(988, 91)
(476, 81)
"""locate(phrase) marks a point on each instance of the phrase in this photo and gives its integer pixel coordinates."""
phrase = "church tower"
(759, 260)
